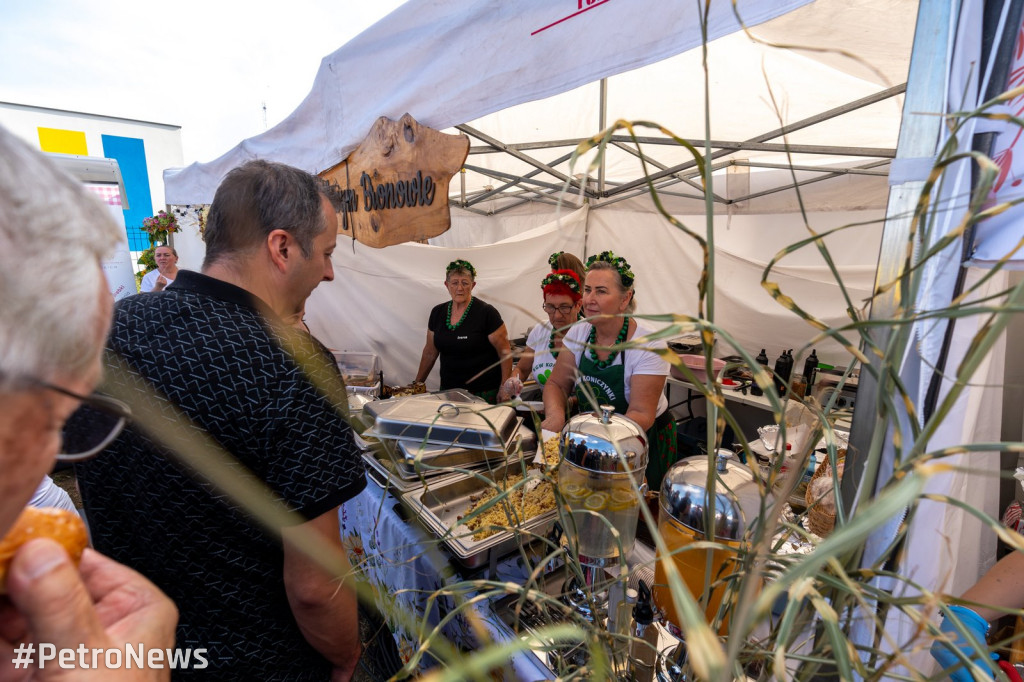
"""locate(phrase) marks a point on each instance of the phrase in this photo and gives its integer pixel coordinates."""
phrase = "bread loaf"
(63, 526)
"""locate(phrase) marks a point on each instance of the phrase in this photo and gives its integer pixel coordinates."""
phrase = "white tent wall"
(668, 263)
(380, 299)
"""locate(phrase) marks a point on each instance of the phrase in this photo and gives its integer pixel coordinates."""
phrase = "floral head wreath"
(568, 278)
(562, 283)
(460, 264)
(553, 259)
(618, 262)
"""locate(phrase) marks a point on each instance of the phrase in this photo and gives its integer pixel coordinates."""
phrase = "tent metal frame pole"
(501, 175)
(602, 121)
(755, 143)
(724, 146)
(919, 134)
(607, 193)
(782, 148)
(810, 181)
(525, 146)
(865, 170)
(469, 130)
(542, 197)
(659, 165)
(498, 190)
(658, 184)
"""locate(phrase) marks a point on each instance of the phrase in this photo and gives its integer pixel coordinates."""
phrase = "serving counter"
(440, 585)
(405, 567)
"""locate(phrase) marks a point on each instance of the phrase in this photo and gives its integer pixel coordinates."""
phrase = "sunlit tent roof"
(808, 96)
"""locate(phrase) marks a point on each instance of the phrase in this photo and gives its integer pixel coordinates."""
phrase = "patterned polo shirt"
(214, 352)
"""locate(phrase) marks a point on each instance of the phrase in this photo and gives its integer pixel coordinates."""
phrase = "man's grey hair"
(53, 236)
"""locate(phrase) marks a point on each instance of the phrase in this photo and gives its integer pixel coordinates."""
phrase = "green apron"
(607, 386)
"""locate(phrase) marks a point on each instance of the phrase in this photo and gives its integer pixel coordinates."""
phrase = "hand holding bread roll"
(64, 527)
(97, 603)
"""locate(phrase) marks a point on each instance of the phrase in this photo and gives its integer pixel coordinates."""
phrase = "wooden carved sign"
(395, 184)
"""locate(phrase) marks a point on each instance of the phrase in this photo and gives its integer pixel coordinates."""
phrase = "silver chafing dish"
(418, 458)
(430, 446)
(442, 504)
(441, 419)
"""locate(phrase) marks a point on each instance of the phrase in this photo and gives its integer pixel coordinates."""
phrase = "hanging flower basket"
(160, 226)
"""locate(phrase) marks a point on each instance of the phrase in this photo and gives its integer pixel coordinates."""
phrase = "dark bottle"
(789, 365)
(783, 367)
(762, 359)
(644, 650)
(811, 368)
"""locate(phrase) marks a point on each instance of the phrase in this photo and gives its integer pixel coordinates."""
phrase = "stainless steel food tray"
(391, 470)
(387, 480)
(474, 425)
(377, 408)
(441, 504)
(416, 456)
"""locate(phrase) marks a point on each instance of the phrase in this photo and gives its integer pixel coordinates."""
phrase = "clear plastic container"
(358, 368)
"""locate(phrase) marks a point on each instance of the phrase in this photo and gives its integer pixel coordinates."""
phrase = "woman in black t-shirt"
(469, 336)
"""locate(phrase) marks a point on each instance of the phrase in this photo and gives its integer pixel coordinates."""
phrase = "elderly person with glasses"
(51, 340)
(562, 300)
(469, 337)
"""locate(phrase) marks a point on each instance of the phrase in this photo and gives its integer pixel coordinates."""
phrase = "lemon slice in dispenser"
(596, 501)
(573, 491)
(622, 499)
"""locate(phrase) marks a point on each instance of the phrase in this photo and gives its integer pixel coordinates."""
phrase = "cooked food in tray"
(525, 502)
(522, 503)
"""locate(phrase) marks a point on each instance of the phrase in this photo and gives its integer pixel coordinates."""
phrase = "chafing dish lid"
(684, 495)
(594, 442)
(377, 408)
(434, 421)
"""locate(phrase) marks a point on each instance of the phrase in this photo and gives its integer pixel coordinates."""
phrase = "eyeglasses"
(92, 427)
(550, 309)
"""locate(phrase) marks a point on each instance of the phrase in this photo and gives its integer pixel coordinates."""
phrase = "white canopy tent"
(482, 59)
(831, 114)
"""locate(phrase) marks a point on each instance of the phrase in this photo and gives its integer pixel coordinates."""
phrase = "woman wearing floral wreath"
(469, 336)
(562, 301)
(599, 371)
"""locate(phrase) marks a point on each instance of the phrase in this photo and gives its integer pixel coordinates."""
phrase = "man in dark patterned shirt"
(212, 347)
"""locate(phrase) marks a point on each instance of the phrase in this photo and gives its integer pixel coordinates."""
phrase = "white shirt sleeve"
(640, 362)
(49, 494)
(149, 280)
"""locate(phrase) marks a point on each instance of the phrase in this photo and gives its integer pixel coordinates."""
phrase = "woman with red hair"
(562, 296)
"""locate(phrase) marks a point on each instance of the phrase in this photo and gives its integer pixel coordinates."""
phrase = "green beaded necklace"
(551, 344)
(448, 319)
(592, 341)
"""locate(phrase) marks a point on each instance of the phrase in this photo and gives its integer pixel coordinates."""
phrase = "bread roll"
(64, 527)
